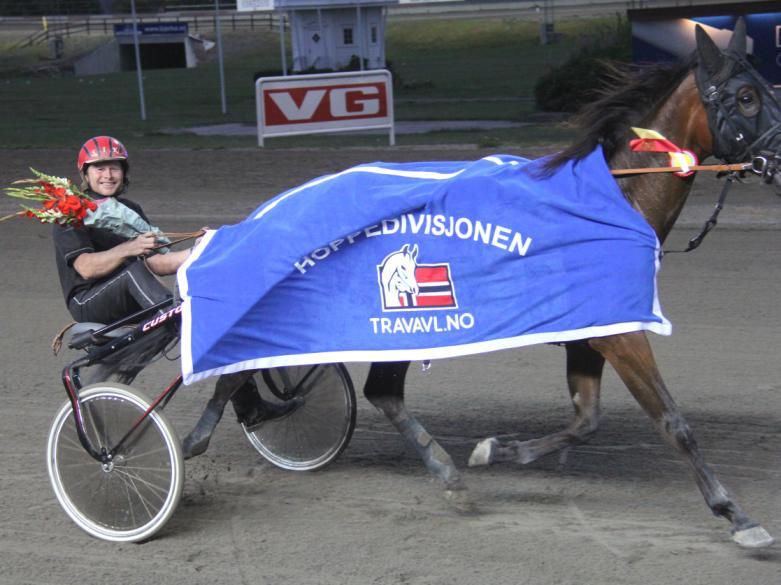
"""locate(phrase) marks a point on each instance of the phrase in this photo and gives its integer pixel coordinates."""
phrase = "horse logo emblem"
(406, 285)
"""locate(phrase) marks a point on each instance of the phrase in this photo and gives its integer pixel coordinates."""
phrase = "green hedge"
(569, 86)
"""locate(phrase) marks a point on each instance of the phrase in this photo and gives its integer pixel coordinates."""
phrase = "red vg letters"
(303, 105)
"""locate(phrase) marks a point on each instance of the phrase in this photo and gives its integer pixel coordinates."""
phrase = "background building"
(332, 34)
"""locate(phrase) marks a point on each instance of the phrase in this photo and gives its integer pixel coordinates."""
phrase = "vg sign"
(331, 102)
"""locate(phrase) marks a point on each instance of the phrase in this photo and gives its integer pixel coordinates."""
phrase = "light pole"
(219, 55)
(547, 34)
(138, 59)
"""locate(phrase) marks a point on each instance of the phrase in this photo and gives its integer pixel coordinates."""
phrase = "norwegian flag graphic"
(436, 289)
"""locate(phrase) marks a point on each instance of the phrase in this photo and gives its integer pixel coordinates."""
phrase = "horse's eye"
(749, 103)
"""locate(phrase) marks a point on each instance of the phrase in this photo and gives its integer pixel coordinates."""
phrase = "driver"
(105, 276)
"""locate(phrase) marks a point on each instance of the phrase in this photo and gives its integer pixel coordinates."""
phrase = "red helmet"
(101, 148)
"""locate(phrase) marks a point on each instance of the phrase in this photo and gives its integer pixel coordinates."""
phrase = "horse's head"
(744, 114)
(405, 269)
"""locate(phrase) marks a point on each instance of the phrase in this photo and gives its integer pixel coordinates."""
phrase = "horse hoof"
(192, 447)
(755, 537)
(483, 453)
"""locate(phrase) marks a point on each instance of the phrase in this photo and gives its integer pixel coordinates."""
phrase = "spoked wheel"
(132, 497)
(319, 425)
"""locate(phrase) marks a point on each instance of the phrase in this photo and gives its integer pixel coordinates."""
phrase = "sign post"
(329, 102)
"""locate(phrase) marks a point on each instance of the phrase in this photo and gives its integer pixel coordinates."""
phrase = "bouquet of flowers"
(61, 202)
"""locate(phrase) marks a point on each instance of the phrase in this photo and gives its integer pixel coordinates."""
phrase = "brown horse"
(717, 105)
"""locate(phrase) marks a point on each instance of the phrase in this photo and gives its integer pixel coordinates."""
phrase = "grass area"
(446, 69)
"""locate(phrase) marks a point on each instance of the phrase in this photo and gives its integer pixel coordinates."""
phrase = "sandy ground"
(622, 509)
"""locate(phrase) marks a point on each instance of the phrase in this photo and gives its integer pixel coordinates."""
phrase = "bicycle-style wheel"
(318, 428)
(131, 498)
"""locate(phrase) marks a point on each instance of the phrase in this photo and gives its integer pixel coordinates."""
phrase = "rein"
(758, 165)
(752, 166)
(177, 237)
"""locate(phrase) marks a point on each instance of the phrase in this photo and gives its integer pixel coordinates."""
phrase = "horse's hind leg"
(197, 441)
(385, 389)
(630, 354)
(584, 377)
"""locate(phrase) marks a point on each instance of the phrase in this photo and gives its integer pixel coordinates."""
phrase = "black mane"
(630, 94)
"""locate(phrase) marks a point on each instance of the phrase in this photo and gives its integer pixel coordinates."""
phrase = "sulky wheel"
(130, 498)
(318, 426)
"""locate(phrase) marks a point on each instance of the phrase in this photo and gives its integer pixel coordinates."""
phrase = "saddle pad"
(418, 261)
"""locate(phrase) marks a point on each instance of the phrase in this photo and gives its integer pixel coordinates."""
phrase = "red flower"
(60, 202)
(68, 204)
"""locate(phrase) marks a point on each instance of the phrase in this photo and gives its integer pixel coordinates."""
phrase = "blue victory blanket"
(421, 261)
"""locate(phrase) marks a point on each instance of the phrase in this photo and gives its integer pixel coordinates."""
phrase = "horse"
(716, 104)
(397, 276)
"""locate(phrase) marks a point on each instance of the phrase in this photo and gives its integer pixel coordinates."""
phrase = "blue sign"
(762, 28)
(152, 28)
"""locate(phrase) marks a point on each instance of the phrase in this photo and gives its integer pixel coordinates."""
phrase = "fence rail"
(89, 25)
(200, 19)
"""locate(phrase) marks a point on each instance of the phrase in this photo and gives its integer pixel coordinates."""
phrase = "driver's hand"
(141, 245)
(204, 229)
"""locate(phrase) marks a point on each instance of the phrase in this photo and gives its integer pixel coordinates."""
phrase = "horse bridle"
(729, 142)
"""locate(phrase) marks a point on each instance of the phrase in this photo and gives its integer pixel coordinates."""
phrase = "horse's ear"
(405, 249)
(414, 252)
(711, 57)
(737, 42)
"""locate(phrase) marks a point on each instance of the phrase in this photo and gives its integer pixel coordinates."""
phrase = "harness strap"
(712, 220)
(759, 165)
(57, 341)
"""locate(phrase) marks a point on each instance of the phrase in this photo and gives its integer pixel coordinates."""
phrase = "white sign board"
(328, 102)
(251, 5)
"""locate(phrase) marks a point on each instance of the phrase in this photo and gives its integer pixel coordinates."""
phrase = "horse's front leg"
(384, 388)
(584, 377)
(197, 441)
(631, 356)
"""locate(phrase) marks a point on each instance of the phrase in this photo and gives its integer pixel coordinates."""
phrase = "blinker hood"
(719, 76)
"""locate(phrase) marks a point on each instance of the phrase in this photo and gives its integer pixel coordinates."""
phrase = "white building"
(329, 34)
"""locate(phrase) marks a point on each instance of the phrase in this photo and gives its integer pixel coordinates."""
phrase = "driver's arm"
(92, 265)
(164, 264)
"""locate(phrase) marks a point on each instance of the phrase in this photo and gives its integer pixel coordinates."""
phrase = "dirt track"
(622, 509)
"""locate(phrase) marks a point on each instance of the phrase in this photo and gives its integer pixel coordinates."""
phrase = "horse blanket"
(419, 261)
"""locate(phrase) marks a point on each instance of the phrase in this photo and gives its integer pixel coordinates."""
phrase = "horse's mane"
(629, 95)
